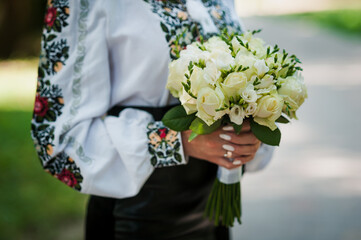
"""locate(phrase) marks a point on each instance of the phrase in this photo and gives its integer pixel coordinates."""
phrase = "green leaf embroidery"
(178, 157)
(153, 161)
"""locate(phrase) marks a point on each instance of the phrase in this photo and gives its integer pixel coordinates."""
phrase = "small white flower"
(251, 109)
(249, 95)
(237, 114)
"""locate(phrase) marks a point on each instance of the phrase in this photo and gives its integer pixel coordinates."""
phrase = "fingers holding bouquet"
(223, 146)
(244, 145)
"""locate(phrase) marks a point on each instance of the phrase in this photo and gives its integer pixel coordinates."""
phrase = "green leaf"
(200, 127)
(265, 134)
(192, 136)
(282, 119)
(237, 128)
(177, 119)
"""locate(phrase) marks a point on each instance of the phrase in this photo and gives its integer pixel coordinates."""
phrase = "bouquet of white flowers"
(228, 79)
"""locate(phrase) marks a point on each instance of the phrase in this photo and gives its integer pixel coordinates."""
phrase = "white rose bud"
(207, 102)
(258, 45)
(237, 114)
(177, 69)
(261, 67)
(211, 73)
(266, 81)
(234, 83)
(215, 43)
(223, 59)
(269, 110)
(193, 53)
(197, 80)
(189, 103)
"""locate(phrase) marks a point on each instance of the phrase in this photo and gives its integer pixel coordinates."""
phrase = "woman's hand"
(215, 146)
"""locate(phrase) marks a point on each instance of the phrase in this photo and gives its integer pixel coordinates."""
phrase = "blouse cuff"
(164, 145)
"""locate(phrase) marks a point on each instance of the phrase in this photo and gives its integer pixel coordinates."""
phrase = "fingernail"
(225, 137)
(237, 162)
(228, 147)
(228, 128)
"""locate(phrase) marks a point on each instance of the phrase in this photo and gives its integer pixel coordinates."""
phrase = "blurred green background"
(33, 205)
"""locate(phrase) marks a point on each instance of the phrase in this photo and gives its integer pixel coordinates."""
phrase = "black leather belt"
(157, 112)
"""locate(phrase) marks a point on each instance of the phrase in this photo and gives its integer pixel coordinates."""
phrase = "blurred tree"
(20, 27)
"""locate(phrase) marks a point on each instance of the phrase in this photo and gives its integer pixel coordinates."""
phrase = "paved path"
(312, 188)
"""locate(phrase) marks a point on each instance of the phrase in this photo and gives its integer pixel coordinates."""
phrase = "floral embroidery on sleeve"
(164, 145)
(49, 99)
(178, 26)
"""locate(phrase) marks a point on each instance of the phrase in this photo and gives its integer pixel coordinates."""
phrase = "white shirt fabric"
(117, 54)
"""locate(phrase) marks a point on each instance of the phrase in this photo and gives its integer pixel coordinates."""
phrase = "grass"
(33, 205)
(344, 21)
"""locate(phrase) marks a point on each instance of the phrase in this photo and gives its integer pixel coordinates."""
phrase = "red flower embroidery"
(67, 177)
(162, 133)
(41, 106)
(50, 16)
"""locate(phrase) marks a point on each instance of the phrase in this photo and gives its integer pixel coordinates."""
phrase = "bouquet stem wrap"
(224, 202)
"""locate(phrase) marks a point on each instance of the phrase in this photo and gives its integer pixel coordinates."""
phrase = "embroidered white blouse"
(99, 54)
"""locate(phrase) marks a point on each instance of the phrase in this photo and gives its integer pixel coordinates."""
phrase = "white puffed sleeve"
(76, 141)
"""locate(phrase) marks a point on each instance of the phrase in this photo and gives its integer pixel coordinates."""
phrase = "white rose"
(249, 94)
(255, 44)
(193, 53)
(293, 91)
(223, 59)
(177, 69)
(251, 109)
(277, 66)
(237, 114)
(197, 80)
(265, 82)
(211, 73)
(261, 67)
(207, 102)
(189, 103)
(258, 45)
(246, 61)
(269, 110)
(234, 83)
(215, 43)
(270, 90)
